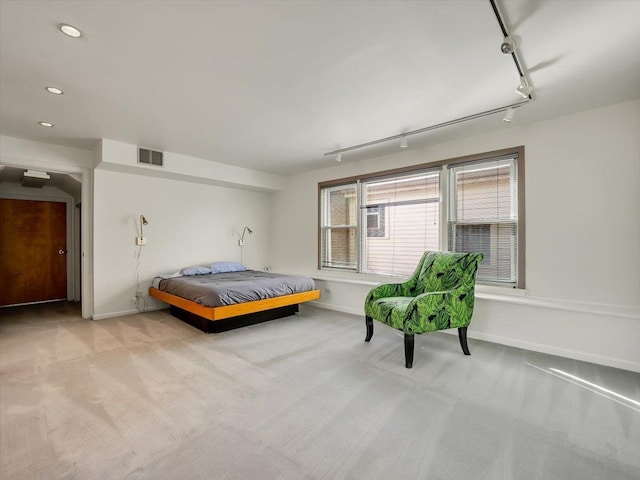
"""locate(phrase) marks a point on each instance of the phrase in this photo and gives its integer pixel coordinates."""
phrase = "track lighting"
(403, 142)
(508, 115)
(524, 89)
(401, 136)
(509, 44)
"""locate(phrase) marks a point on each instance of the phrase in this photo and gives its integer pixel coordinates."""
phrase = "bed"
(219, 299)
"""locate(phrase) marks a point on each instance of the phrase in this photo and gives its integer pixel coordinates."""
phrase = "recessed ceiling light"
(70, 30)
(54, 90)
(45, 124)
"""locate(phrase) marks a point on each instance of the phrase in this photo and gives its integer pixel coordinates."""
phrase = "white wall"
(189, 224)
(123, 157)
(582, 236)
(44, 156)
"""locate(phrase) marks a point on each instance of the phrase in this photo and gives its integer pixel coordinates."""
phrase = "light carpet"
(148, 397)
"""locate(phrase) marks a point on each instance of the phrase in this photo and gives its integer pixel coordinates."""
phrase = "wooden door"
(33, 251)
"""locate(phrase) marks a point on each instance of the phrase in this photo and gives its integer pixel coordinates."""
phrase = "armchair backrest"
(441, 271)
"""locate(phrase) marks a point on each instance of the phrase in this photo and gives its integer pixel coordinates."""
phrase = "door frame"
(85, 177)
(69, 227)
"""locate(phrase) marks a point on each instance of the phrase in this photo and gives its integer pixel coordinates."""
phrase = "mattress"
(219, 289)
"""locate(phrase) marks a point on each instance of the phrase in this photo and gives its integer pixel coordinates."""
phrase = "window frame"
(325, 230)
(454, 222)
(518, 151)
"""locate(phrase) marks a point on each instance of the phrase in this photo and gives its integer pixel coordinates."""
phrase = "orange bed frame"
(237, 310)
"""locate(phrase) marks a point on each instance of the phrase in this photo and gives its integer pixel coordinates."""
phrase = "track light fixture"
(508, 115)
(509, 44)
(338, 153)
(524, 89)
(403, 142)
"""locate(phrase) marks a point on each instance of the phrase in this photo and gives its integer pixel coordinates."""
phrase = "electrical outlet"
(141, 241)
(139, 296)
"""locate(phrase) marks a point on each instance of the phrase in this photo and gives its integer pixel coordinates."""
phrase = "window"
(411, 218)
(382, 222)
(339, 227)
(483, 216)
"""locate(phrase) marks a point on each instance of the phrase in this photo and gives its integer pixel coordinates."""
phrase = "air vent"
(150, 157)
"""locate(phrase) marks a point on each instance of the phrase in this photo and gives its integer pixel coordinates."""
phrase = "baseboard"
(551, 350)
(338, 308)
(123, 313)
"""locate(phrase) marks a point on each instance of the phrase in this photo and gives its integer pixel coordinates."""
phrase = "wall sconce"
(141, 240)
(241, 241)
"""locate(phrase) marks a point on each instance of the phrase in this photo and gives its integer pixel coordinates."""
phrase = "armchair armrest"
(388, 290)
(433, 311)
(385, 290)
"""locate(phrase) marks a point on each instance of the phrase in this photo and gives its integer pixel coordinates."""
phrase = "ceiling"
(273, 85)
(64, 182)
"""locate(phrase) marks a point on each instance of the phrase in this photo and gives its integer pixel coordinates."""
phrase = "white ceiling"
(58, 180)
(273, 85)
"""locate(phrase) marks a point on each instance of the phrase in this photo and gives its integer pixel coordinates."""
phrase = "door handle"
(61, 252)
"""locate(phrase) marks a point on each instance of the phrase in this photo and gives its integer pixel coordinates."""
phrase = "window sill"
(492, 293)
(375, 280)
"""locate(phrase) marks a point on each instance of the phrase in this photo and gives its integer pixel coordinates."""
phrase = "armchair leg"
(462, 335)
(369, 323)
(408, 350)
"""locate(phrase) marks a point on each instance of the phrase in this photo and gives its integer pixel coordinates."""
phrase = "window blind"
(402, 217)
(483, 215)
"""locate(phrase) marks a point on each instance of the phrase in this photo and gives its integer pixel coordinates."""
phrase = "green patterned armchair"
(439, 295)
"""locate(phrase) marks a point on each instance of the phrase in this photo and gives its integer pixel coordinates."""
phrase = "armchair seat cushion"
(389, 310)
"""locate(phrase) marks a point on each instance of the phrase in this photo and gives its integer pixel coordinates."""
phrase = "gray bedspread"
(220, 289)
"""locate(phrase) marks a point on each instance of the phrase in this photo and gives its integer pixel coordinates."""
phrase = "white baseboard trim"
(123, 313)
(551, 350)
(337, 308)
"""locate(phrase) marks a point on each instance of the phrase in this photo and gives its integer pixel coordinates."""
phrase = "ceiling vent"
(150, 157)
(35, 178)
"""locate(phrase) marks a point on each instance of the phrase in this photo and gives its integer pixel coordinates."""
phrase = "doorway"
(33, 242)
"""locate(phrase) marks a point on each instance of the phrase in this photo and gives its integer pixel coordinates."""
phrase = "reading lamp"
(141, 240)
(241, 241)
